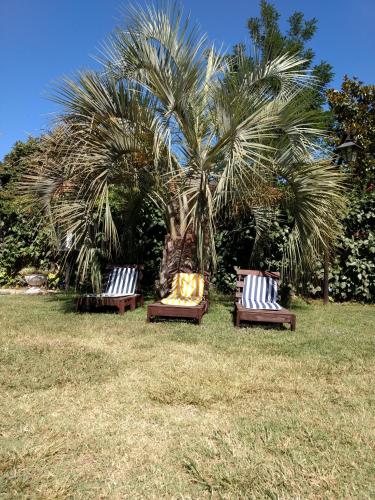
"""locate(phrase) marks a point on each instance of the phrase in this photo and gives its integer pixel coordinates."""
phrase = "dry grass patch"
(102, 406)
(38, 366)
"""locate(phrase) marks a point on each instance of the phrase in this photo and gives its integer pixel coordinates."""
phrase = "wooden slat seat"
(157, 309)
(121, 302)
(166, 311)
(243, 313)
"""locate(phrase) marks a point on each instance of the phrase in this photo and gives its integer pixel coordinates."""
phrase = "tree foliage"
(24, 233)
(353, 272)
(169, 113)
(269, 41)
(354, 110)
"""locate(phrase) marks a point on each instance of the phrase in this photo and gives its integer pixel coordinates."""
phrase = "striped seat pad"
(121, 281)
(259, 292)
(187, 290)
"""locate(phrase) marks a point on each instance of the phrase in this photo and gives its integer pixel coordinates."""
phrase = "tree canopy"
(354, 110)
(268, 41)
(168, 112)
(24, 231)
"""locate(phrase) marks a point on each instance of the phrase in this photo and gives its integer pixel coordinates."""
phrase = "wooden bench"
(90, 302)
(157, 309)
(122, 303)
(260, 315)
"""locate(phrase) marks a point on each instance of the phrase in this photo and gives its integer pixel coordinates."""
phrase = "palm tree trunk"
(179, 255)
(326, 279)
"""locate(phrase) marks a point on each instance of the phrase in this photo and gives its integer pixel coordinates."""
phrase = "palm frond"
(213, 139)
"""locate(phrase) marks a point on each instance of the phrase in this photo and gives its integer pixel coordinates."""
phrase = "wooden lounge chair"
(188, 299)
(122, 290)
(256, 299)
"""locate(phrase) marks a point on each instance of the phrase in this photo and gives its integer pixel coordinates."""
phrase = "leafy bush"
(24, 237)
(352, 273)
(235, 241)
(22, 243)
(25, 240)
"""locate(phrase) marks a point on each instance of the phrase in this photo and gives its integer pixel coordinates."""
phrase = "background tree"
(354, 112)
(24, 232)
(270, 41)
(353, 273)
(169, 112)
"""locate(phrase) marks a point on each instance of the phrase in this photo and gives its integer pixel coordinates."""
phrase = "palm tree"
(206, 134)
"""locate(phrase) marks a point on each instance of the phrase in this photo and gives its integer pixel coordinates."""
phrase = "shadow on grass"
(252, 325)
(299, 305)
(166, 320)
(64, 302)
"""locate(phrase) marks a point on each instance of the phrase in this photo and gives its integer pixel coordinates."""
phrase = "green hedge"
(24, 237)
(25, 241)
(352, 272)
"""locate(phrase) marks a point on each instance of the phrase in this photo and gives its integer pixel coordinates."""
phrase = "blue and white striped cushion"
(122, 281)
(259, 292)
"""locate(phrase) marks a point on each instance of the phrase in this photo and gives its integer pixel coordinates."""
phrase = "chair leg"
(293, 325)
(121, 308)
(149, 317)
(238, 320)
(142, 300)
(133, 304)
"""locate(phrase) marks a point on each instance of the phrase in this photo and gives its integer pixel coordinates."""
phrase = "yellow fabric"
(187, 290)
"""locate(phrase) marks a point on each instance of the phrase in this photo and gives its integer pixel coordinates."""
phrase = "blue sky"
(42, 40)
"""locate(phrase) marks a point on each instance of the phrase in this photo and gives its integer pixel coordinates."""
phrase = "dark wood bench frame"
(157, 309)
(260, 315)
(131, 301)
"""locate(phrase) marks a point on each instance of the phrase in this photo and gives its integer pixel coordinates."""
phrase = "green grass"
(96, 405)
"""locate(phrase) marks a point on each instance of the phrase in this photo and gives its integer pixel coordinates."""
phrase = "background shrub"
(25, 239)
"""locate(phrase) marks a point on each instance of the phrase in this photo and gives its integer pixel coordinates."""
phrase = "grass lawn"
(97, 405)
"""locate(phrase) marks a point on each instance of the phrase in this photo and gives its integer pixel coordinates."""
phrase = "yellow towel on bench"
(187, 290)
